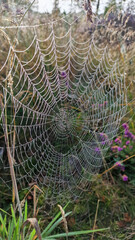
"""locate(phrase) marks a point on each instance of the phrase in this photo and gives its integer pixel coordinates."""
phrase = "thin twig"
(100, 175)
(95, 220)
(34, 201)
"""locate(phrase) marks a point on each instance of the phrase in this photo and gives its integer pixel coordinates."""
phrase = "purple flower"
(101, 134)
(114, 148)
(122, 167)
(103, 142)
(63, 74)
(128, 134)
(127, 142)
(119, 149)
(118, 164)
(125, 178)
(97, 150)
(124, 146)
(117, 140)
(100, 105)
(133, 138)
(125, 126)
(105, 102)
(111, 142)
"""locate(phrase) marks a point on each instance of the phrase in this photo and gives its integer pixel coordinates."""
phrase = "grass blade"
(10, 231)
(55, 225)
(3, 225)
(54, 219)
(70, 234)
(13, 215)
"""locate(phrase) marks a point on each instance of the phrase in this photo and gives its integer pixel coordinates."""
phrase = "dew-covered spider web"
(63, 96)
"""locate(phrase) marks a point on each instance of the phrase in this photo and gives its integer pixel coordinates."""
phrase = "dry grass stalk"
(88, 8)
(95, 220)
(108, 170)
(10, 159)
(64, 220)
(34, 223)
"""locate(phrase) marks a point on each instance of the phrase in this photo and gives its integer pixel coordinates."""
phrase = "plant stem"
(95, 220)
(10, 159)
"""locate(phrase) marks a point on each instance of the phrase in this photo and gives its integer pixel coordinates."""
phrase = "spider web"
(63, 98)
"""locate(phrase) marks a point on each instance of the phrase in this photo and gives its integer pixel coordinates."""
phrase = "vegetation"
(107, 210)
(15, 228)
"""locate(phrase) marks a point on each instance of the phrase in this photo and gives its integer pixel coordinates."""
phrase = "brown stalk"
(10, 159)
(34, 201)
(95, 220)
(108, 170)
(64, 220)
(34, 223)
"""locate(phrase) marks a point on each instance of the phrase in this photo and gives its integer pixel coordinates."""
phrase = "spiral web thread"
(64, 98)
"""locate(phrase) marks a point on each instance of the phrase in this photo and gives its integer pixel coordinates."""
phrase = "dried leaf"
(127, 218)
(71, 222)
(35, 237)
(121, 224)
(34, 223)
(38, 188)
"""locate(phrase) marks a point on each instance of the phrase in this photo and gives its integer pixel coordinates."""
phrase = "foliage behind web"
(64, 95)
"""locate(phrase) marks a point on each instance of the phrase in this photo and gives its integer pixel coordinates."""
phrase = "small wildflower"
(125, 178)
(118, 164)
(125, 126)
(111, 142)
(124, 146)
(120, 149)
(97, 149)
(121, 166)
(100, 105)
(117, 140)
(130, 147)
(128, 134)
(103, 136)
(63, 74)
(114, 148)
(133, 138)
(127, 142)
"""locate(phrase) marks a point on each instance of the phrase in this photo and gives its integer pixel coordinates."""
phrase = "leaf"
(4, 211)
(54, 225)
(3, 225)
(127, 218)
(121, 224)
(10, 231)
(54, 219)
(34, 223)
(13, 215)
(75, 233)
